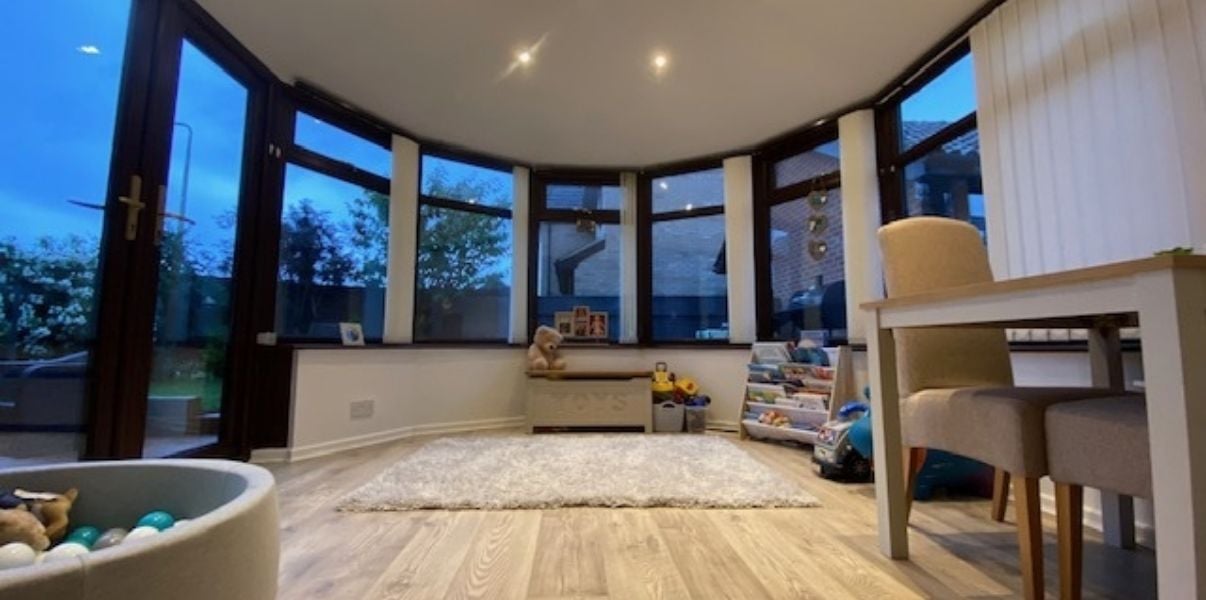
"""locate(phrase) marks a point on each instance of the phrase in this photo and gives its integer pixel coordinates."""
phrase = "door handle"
(134, 205)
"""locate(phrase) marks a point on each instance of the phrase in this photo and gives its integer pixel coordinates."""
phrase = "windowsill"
(1059, 346)
(469, 345)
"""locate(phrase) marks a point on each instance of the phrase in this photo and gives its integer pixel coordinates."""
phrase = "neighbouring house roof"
(913, 132)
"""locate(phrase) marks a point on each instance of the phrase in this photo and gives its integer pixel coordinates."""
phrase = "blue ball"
(85, 535)
(158, 519)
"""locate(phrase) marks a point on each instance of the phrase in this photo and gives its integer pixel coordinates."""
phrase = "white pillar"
(628, 259)
(403, 240)
(519, 256)
(739, 248)
(860, 217)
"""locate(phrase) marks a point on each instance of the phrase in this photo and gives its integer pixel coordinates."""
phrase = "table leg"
(1172, 315)
(1105, 362)
(885, 426)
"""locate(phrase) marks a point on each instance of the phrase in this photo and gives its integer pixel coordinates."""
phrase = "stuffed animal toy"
(50, 508)
(20, 525)
(543, 354)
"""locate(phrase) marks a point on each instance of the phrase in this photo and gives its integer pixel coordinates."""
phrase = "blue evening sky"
(60, 64)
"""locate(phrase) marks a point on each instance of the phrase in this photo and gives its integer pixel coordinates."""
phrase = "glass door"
(61, 66)
(205, 116)
(199, 208)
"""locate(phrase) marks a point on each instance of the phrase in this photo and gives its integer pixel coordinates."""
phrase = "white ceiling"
(740, 71)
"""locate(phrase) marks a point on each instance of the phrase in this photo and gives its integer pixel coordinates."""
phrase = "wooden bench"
(589, 400)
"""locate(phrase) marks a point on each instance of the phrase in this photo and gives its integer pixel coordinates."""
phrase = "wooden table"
(1165, 296)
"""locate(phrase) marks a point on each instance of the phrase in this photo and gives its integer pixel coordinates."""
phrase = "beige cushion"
(922, 254)
(1101, 443)
(1001, 426)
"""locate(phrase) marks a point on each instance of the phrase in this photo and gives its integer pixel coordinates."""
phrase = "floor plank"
(827, 552)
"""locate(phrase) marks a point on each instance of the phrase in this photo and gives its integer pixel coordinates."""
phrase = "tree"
(458, 250)
(368, 233)
(311, 251)
(46, 296)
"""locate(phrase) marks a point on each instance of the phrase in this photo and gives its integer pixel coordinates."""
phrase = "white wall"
(1092, 122)
(422, 390)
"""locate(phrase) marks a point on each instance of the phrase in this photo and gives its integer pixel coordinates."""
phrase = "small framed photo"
(351, 334)
(598, 325)
(564, 323)
(581, 312)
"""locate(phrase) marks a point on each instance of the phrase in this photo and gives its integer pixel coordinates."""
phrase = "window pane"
(61, 64)
(319, 136)
(464, 276)
(334, 237)
(819, 161)
(590, 197)
(688, 191)
(452, 180)
(579, 267)
(690, 293)
(946, 182)
(807, 266)
(948, 98)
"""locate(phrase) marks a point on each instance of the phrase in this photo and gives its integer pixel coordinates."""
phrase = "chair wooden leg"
(914, 460)
(1069, 507)
(1030, 535)
(1000, 494)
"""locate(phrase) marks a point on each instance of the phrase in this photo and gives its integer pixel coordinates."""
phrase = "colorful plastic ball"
(86, 535)
(110, 538)
(16, 555)
(64, 551)
(157, 518)
(139, 533)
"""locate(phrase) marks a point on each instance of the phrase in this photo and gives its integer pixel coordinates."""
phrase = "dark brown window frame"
(891, 159)
(295, 100)
(767, 196)
(645, 218)
(457, 205)
(539, 212)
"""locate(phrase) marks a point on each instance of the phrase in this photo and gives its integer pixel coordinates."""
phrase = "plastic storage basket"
(697, 419)
(668, 417)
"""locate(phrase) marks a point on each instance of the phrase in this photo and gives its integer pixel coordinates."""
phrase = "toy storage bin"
(668, 417)
(697, 418)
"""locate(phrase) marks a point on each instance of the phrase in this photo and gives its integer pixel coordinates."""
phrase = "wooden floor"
(824, 553)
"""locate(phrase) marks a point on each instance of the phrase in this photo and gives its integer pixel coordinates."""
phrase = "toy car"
(833, 454)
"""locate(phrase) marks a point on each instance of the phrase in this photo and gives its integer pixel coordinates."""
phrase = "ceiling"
(739, 72)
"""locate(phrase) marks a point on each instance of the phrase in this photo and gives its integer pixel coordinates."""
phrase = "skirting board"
(279, 455)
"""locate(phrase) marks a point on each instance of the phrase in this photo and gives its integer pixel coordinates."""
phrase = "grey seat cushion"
(1101, 443)
(1001, 426)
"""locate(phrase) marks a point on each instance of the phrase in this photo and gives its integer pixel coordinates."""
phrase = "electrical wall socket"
(362, 409)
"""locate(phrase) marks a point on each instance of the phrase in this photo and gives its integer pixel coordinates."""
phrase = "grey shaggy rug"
(548, 471)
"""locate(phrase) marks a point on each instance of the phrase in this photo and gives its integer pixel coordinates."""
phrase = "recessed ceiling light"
(663, 185)
(660, 61)
(88, 49)
(690, 206)
(524, 57)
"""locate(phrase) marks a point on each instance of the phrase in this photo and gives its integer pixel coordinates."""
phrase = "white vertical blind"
(1092, 118)
(403, 242)
(739, 248)
(860, 216)
(518, 333)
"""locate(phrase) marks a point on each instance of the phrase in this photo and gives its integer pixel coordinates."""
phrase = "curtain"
(1092, 119)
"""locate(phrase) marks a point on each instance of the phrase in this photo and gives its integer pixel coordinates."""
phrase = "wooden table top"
(562, 375)
(1106, 272)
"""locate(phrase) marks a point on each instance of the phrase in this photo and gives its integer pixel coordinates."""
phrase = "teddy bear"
(543, 354)
(47, 508)
(20, 525)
